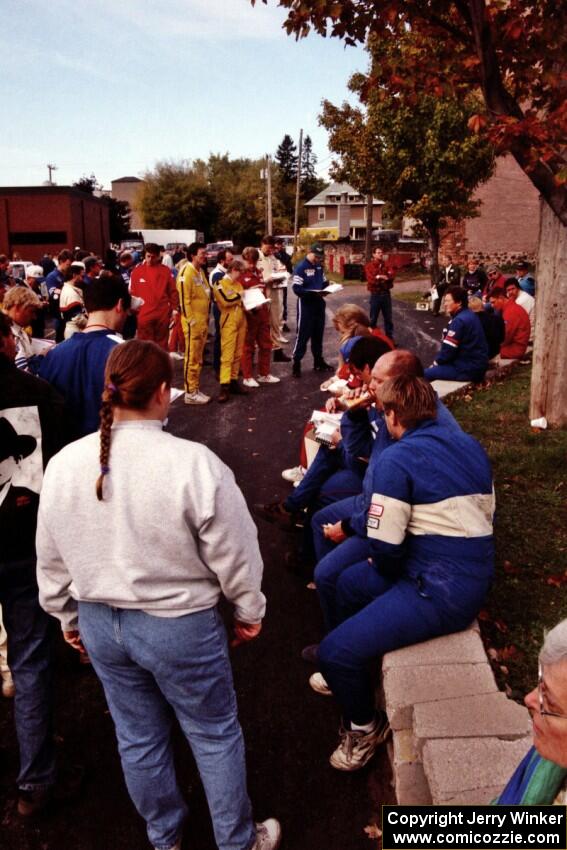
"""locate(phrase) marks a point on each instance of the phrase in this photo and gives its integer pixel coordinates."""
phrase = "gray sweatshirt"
(171, 535)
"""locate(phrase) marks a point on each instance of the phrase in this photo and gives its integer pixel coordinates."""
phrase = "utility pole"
(51, 168)
(269, 221)
(297, 188)
(369, 222)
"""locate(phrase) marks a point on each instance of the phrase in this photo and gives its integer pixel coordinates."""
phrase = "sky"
(111, 87)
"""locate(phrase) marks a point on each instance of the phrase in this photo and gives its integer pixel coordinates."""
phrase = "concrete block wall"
(456, 738)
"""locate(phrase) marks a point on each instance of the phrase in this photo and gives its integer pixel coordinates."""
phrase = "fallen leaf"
(501, 626)
(510, 652)
(373, 831)
(510, 569)
(493, 654)
(558, 580)
(483, 615)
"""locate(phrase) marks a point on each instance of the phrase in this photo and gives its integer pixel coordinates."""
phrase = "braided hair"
(134, 371)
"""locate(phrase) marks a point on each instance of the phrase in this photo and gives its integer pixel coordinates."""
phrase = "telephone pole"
(51, 168)
(297, 189)
(269, 220)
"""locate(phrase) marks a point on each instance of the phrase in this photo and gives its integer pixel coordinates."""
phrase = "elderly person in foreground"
(541, 776)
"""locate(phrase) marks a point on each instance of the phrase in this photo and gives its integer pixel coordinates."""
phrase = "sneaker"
(311, 653)
(280, 356)
(283, 340)
(276, 513)
(294, 474)
(197, 398)
(268, 835)
(296, 369)
(224, 394)
(319, 685)
(175, 355)
(323, 366)
(267, 379)
(357, 748)
(8, 687)
(250, 382)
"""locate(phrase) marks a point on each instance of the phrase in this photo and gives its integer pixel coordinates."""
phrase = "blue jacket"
(527, 283)
(308, 278)
(432, 505)
(76, 368)
(54, 280)
(377, 425)
(464, 346)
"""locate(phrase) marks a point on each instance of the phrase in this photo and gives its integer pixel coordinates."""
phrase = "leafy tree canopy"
(512, 51)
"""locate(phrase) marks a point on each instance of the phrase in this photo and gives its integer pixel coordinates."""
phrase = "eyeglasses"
(542, 710)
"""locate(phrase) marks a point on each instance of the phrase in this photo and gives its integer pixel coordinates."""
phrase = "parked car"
(212, 249)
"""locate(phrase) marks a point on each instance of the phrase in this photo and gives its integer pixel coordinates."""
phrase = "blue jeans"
(376, 614)
(148, 666)
(382, 301)
(30, 658)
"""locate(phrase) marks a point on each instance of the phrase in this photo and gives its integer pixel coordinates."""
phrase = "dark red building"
(45, 219)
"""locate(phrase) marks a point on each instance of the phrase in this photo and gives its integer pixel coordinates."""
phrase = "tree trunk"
(368, 235)
(549, 371)
(434, 242)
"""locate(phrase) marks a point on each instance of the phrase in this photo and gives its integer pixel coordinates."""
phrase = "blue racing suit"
(464, 351)
(309, 279)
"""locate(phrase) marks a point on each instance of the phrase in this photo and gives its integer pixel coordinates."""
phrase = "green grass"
(408, 297)
(530, 472)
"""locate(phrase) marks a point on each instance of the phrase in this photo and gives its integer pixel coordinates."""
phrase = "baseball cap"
(34, 271)
(346, 347)
(317, 249)
(492, 269)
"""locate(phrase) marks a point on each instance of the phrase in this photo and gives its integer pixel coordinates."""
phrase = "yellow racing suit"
(228, 296)
(194, 295)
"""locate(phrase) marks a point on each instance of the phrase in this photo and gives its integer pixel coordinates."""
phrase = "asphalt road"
(289, 730)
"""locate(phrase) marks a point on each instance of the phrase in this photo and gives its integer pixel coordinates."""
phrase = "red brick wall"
(508, 225)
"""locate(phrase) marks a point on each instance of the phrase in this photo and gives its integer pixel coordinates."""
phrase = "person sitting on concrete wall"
(516, 323)
(463, 355)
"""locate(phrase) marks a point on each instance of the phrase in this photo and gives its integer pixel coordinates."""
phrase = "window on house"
(321, 214)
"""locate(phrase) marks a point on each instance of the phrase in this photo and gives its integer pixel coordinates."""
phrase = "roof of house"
(337, 189)
(127, 180)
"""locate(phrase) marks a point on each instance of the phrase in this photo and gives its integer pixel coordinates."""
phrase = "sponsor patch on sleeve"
(375, 510)
(371, 522)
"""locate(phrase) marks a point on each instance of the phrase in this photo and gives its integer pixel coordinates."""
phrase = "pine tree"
(286, 158)
(310, 183)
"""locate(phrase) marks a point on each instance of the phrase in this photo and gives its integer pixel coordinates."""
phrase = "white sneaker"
(250, 382)
(197, 398)
(283, 340)
(268, 835)
(357, 748)
(319, 685)
(293, 475)
(8, 688)
(267, 379)
(175, 355)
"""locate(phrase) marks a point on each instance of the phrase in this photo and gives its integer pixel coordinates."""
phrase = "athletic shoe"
(250, 382)
(294, 474)
(67, 787)
(175, 355)
(323, 366)
(296, 369)
(280, 356)
(224, 393)
(283, 340)
(276, 513)
(267, 379)
(8, 688)
(197, 398)
(311, 653)
(357, 748)
(268, 835)
(319, 685)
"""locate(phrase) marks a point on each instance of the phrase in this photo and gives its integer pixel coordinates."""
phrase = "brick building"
(508, 225)
(128, 189)
(35, 220)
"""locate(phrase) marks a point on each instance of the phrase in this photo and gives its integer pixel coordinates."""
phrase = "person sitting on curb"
(541, 777)
(429, 526)
(463, 355)
(232, 324)
(492, 325)
(517, 327)
(520, 296)
(525, 277)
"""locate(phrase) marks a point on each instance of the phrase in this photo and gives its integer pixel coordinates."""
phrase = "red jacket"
(376, 267)
(517, 333)
(252, 277)
(155, 284)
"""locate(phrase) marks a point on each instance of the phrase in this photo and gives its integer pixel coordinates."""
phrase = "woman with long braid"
(161, 530)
